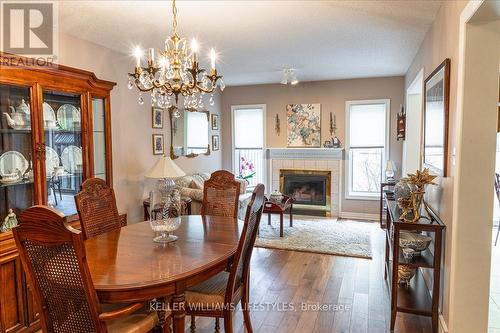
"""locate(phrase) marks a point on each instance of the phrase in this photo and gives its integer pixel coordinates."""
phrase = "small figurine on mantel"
(9, 222)
(336, 142)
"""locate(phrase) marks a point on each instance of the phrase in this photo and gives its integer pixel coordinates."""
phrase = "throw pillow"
(198, 181)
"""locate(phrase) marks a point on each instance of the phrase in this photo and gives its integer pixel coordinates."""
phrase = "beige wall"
(442, 42)
(332, 95)
(131, 123)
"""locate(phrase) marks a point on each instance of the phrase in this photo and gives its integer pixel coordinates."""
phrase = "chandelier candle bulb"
(194, 48)
(137, 54)
(212, 58)
(151, 56)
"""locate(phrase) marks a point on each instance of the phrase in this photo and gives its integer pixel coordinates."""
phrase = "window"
(367, 143)
(248, 143)
(197, 138)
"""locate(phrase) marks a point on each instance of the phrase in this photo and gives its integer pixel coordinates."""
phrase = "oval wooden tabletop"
(127, 259)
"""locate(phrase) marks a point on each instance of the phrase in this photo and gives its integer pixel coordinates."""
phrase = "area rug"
(318, 235)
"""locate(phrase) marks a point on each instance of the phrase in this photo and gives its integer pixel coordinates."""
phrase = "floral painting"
(303, 125)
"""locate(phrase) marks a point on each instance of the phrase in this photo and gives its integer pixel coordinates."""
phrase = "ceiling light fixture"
(289, 76)
(175, 72)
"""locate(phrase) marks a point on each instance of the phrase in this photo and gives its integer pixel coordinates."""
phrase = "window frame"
(263, 107)
(349, 194)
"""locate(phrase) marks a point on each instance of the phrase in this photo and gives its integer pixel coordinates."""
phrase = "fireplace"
(311, 190)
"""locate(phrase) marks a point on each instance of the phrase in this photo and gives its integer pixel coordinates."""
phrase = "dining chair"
(497, 191)
(220, 195)
(96, 205)
(218, 296)
(53, 257)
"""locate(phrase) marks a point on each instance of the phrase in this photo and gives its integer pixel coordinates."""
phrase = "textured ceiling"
(255, 39)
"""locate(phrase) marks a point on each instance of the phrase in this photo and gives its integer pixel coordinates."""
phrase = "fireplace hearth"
(309, 188)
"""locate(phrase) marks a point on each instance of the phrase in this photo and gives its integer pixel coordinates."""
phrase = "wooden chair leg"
(167, 328)
(228, 322)
(281, 224)
(193, 324)
(269, 218)
(245, 303)
(291, 217)
(217, 325)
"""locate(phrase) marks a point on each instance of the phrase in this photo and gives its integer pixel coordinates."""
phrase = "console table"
(415, 298)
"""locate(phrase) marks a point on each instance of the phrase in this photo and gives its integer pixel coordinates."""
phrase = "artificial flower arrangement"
(413, 202)
(247, 169)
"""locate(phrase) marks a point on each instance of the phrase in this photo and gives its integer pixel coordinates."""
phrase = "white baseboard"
(443, 328)
(359, 216)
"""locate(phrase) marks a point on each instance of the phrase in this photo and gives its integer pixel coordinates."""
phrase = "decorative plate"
(51, 160)
(48, 112)
(11, 161)
(68, 116)
(71, 158)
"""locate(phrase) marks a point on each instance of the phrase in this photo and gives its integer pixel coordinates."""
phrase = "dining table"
(127, 266)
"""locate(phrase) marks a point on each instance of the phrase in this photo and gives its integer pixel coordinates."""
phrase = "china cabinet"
(55, 132)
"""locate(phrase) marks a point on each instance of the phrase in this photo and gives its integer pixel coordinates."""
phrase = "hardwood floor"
(280, 278)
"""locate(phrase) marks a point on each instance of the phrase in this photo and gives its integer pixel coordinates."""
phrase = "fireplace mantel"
(325, 159)
(306, 153)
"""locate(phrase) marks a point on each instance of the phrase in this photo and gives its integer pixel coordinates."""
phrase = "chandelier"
(175, 72)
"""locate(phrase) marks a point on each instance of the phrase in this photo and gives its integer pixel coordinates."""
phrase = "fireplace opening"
(309, 188)
(306, 189)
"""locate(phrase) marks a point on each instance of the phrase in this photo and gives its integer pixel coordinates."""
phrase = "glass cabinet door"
(99, 137)
(16, 161)
(62, 120)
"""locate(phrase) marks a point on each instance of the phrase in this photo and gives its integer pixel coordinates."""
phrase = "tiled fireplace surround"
(324, 159)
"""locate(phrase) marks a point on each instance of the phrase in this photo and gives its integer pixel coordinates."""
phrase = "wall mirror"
(436, 113)
(190, 132)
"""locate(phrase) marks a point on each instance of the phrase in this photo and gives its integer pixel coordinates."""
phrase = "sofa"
(192, 186)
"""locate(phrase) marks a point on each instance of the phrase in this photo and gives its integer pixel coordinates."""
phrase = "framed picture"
(436, 114)
(303, 125)
(158, 144)
(157, 117)
(215, 122)
(215, 142)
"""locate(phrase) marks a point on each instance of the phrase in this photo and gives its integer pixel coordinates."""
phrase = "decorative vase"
(405, 274)
(402, 190)
(415, 241)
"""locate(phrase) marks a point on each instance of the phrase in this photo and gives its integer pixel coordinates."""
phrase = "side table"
(275, 207)
(185, 207)
(382, 202)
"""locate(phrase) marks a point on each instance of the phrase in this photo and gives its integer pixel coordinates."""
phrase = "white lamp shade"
(390, 166)
(165, 168)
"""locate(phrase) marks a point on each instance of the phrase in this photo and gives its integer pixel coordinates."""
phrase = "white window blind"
(367, 141)
(248, 128)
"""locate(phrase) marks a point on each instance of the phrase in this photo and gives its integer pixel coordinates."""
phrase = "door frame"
(477, 115)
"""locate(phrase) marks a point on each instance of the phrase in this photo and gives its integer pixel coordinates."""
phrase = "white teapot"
(19, 118)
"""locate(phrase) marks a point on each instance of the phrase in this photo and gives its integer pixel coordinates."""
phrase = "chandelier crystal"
(175, 72)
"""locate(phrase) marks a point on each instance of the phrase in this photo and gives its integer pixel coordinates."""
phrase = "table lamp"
(390, 170)
(165, 170)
